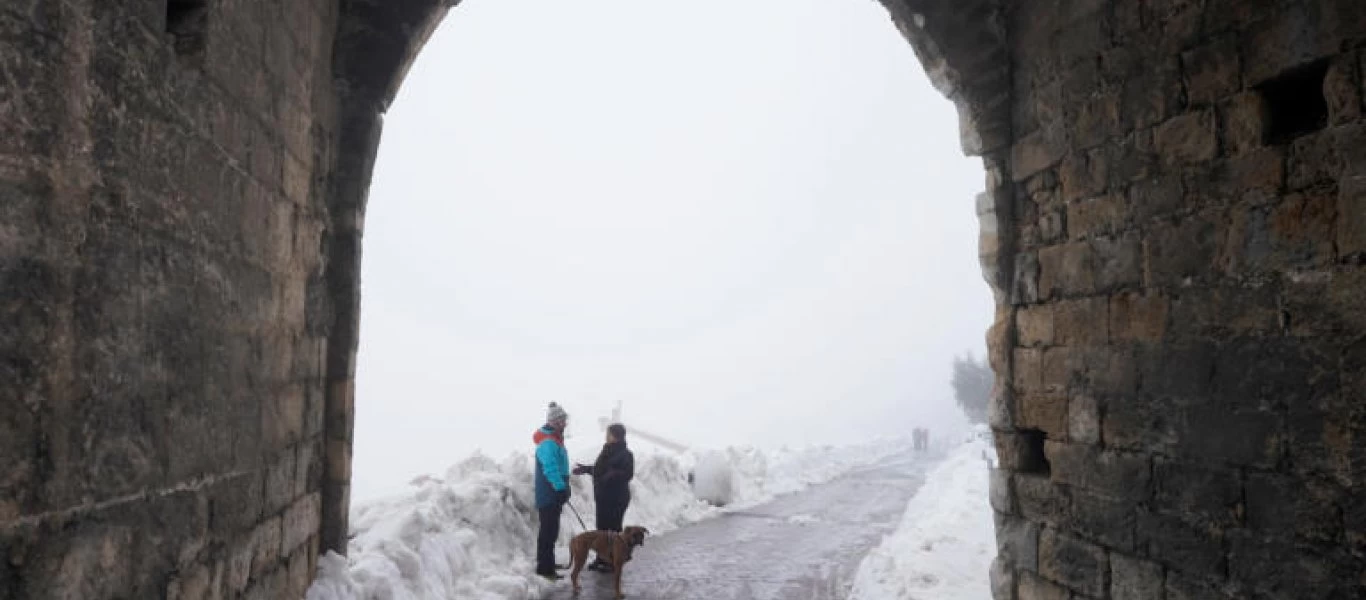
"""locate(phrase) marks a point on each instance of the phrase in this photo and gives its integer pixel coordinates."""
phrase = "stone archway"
(1174, 228)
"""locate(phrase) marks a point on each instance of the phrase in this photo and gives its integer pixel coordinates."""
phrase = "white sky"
(749, 220)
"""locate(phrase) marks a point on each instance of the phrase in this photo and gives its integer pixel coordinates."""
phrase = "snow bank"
(472, 534)
(945, 543)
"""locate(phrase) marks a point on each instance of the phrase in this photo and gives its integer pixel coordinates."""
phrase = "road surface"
(803, 546)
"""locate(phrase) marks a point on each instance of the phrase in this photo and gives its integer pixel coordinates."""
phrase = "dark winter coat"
(612, 474)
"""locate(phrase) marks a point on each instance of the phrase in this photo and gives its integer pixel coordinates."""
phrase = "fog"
(748, 221)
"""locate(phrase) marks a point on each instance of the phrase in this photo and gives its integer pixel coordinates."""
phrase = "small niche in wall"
(186, 21)
(1294, 103)
(1032, 458)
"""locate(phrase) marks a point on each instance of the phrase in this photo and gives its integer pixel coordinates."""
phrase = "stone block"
(1044, 412)
(1179, 545)
(1256, 170)
(1351, 217)
(1103, 519)
(282, 415)
(1026, 281)
(1280, 568)
(1148, 95)
(1188, 138)
(1002, 580)
(300, 573)
(1059, 369)
(1287, 40)
(1083, 419)
(1204, 312)
(1097, 119)
(269, 586)
(1342, 91)
(1212, 70)
(202, 582)
(1244, 119)
(1101, 215)
(1034, 325)
(301, 521)
(1205, 496)
(1251, 439)
(1034, 153)
(1183, 369)
(1156, 196)
(1040, 499)
(1081, 322)
(998, 492)
(1067, 270)
(1133, 578)
(1183, 252)
(1138, 317)
(1082, 175)
(1027, 370)
(1017, 542)
(1313, 160)
(1184, 586)
(280, 482)
(1033, 587)
(267, 546)
(1075, 563)
(1294, 507)
(339, 459)
(1118, 262)
(1111, 473)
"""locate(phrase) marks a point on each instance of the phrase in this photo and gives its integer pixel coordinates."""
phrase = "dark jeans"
(545, 541)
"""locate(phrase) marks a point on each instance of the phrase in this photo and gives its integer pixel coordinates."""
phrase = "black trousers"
(545, 540)
(611, 512)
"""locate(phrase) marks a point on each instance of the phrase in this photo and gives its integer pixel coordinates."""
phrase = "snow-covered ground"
(944, 546)
(471, 534)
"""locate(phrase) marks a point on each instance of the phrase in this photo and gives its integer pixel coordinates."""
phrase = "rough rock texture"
(1174, 227)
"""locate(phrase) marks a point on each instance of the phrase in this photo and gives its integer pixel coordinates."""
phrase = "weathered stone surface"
(1212, 70)
(1033, 587)
(1081, 322)
(1134, 578)
(1106, 472)
(1189, 138)
(1083, 419)
(1034, 325)
(1017, 541)
(1075, 563)
(1138, 317)
(1204, 495)
(1101, 215)
(1244, 120)
(1178, 545)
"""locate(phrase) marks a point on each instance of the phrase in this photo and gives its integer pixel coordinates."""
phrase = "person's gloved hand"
(563, 495)
(580, 469)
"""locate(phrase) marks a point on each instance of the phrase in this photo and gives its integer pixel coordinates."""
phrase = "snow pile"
(472, 534)
(945, 543)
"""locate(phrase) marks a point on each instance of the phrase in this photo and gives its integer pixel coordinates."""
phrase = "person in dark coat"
(552, 486)
(612, 474)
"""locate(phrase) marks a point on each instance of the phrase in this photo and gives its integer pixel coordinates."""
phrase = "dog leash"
(576, 515)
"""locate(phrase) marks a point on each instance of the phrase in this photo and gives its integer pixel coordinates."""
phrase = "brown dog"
(612, 547)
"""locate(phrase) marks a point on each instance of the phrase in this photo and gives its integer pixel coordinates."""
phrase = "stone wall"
(161, 243)
(1174, 228)
(1183, 414)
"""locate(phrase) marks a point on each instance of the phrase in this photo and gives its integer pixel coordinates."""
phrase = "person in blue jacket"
(552, 486)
